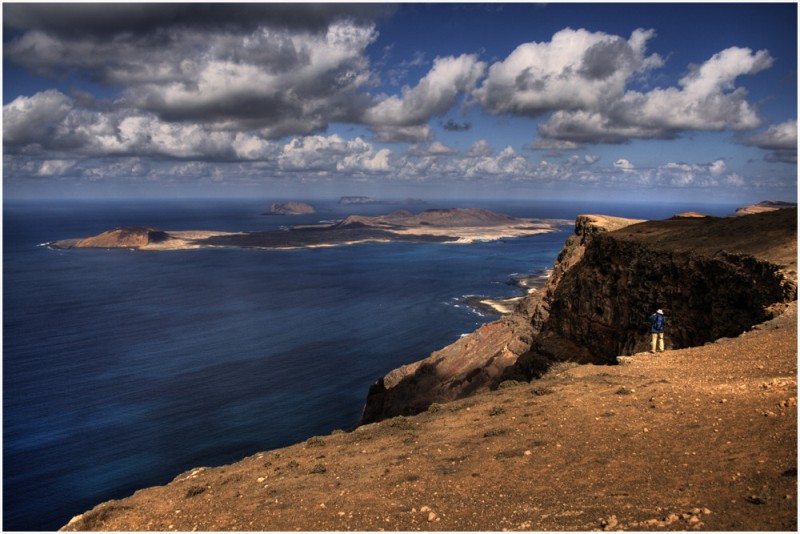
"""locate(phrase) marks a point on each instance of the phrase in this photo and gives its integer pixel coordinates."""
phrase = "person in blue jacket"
(657, 324)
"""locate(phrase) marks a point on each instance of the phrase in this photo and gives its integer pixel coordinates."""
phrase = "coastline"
(530, 283)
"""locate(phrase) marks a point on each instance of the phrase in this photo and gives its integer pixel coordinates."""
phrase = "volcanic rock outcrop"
(714, 277)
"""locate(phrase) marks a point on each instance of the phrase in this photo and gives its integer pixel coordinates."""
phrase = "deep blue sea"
(121, 369)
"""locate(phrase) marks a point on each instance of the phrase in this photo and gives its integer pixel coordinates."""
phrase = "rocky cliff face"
(482, 359)
(713, 277)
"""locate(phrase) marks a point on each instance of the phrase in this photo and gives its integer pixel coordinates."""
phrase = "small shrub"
(435, 407)
(494, 432)
(400, 422)
(557, 369)
(542, 390)
(193, 491)
(509, 384)
(292, 464)
(497, 410)
(625, 391)
(409, 439)
(316, 441)
(318, 469)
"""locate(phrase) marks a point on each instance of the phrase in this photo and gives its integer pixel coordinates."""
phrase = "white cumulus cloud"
(780, 140)
(577, 69)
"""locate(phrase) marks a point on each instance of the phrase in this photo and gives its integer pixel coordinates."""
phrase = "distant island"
(370, 200)
(764, 206)
(452, 225)
(291, 208)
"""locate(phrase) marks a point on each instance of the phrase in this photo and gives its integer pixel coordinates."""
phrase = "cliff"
(714, 277)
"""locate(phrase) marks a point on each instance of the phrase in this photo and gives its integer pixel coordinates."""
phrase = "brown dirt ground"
(702, 438)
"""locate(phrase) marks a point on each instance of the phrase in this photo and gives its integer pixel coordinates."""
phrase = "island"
(291, 208)
(452, 225)
(370, 200)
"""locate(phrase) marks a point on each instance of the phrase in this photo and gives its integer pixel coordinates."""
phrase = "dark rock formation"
(291, 208)
(713, 277)
(122, 237)
(704, 273)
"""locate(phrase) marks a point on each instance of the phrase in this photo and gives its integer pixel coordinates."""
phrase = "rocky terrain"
(701, 437)
(291, 208)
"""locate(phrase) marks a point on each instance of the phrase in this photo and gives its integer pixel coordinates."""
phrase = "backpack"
(658, 322)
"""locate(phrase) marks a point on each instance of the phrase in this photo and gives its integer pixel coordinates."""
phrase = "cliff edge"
(714, 277)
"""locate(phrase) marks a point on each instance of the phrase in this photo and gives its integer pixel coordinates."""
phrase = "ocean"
(122, 369)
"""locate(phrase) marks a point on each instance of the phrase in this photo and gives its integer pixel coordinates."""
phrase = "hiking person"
(657, 324)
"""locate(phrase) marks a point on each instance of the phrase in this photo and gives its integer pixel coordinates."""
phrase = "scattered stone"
(610, 523)
(528, 453)
(425, 509)
(755, 499)
(431, 517)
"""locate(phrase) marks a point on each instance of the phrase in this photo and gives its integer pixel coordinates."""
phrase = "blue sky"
(631, 101)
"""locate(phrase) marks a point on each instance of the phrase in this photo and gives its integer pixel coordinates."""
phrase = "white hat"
(660, 312)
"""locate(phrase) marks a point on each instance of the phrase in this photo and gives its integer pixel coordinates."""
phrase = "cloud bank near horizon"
(254, 91)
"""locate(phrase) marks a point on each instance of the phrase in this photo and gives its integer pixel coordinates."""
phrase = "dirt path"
(702, 438)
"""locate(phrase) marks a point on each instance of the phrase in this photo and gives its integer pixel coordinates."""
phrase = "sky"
(629, 101)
